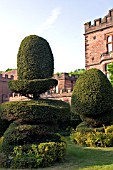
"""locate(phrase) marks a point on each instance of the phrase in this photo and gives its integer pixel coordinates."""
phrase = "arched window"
(109, 43)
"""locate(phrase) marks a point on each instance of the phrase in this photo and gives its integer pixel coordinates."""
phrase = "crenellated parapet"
(100, 23)
(6, 77)
(64, 76)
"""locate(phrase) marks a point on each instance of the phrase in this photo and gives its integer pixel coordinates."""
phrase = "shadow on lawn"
(82, 157)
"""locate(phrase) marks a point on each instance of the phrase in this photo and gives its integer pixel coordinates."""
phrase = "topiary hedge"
(93, 97)
(43, 110)
(36, 120)
(35, 156)
(35, 59)
(32, 86)
(23, 134)
(4, 124)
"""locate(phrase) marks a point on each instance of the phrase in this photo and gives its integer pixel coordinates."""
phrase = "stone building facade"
(65, 82)
(4, 90)
(99, 43)
(65, 85)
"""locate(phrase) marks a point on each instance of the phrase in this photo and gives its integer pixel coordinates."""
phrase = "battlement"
(5, 77)
(100, 23)
(64, 76)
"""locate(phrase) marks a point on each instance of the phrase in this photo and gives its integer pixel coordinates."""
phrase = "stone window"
(109, 43)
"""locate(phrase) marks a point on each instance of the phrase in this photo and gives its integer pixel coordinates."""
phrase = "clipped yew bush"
(36, 120)
(35, 59)
(92, 98)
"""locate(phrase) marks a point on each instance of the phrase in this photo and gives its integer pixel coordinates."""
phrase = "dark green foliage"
(37, 156)
(83, 128)
(98, 120)
(35, 66)
(3, 126)
(3, 160)
(77, 72)
(26, 87)
(9, 69)
(36, 111)
(25, 134)
(35, 59)
(34, 121)
(93, 97)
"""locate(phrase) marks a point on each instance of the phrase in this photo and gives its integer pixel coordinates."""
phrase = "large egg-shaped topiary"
(92, 97)
(34, 56)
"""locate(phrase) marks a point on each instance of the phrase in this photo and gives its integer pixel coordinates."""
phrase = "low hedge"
(41, 155)
(38, 111)
(32, 86)
(96, 137)
(18, 134)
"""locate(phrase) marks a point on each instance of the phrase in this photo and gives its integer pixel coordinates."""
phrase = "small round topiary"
(35, 59)
(93, 96)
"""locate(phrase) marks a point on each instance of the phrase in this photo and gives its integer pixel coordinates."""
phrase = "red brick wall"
(65, 82)
(4, 90)
(95, 42)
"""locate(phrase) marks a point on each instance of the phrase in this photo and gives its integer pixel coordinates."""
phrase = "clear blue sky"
(60, 22)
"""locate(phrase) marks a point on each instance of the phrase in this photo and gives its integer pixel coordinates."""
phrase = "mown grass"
(84, 158)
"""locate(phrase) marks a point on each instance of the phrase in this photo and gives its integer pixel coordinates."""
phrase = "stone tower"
(99, 43)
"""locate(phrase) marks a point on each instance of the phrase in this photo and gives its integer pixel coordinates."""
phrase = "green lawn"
(85, 158)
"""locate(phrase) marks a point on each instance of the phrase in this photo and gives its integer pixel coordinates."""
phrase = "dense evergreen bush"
(23, 134)
(35, 59)
(42, 110)
(4, 124)
(26, 87)
(83, 128)
(92, 98)
(36, 120)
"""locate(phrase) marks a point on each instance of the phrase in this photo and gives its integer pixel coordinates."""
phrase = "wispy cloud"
(50, 21)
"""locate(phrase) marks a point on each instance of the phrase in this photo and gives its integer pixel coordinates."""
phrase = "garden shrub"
(41, 155)
(109, 129)
(21, 134)
(1, 141)
(3, 160)
(92, 98)
(3, 125)
(99, 139)
(35, 59)
(102, 137)
(83, 127)
(38, 111)
(32, 86)
(36, 120)
(78, 138)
